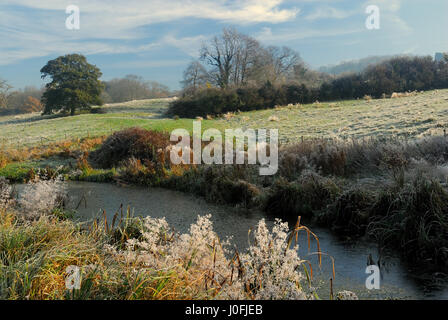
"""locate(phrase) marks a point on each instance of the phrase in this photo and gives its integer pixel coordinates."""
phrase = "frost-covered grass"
(156, 265)
(422, 114)
(35, 130)
(140, 258)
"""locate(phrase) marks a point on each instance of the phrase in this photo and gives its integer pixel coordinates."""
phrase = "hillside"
(353, 65)
(414, 116)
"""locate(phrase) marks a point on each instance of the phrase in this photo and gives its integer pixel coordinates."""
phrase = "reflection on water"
(181, 210)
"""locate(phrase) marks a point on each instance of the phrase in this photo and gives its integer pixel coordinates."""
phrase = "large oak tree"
(75, 84)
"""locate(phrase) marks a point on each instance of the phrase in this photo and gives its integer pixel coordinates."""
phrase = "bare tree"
(283, 62)
(238, 60)
(4, 93)
(220, 53)
(247, 57)
(231, 55)
(195, 76)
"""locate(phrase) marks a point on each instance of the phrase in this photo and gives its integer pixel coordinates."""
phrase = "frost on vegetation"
(271, 262)
(346, 295)
(432, 171)
(5, 193)
(40, 197)
(269, 269)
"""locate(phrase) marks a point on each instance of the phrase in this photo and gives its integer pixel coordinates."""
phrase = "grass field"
(360, 188)
(423, 114)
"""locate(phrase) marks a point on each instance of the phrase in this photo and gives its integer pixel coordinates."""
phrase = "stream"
(181, 210)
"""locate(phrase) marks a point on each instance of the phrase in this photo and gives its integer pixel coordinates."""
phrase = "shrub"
(5, 193)
(41, 197)
(147, 173)
(205, 102)
(98, 110)
(227, 191)
(297, 94)
(326, 157)
(135, 143)
(414, 219)
(250, 99)
(4, 159)
(349, 214)
(213, 101)
(268, 270)
(304, 197)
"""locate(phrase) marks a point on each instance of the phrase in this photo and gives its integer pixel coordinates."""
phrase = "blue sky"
(156, 39)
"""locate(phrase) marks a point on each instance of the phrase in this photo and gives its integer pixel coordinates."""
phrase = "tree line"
(399, 74)
(19, 101)
(235, 72)
(234, 60)
(133, 87)
(75, 85)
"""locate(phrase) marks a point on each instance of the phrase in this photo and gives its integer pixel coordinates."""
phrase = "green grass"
(18, 171)
(32, 129)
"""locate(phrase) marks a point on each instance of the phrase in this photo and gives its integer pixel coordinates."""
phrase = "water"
(181, 210)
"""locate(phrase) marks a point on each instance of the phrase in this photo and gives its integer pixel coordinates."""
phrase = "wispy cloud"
(150, 64)
(327, 12)
(134, 13)
(146, 34)
(285, 35)
(39, 26)
(188, 45)
(386, 5)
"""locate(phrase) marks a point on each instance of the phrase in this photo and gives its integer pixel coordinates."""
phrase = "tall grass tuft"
(414, 219)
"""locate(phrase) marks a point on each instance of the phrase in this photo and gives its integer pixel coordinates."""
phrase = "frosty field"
(414, 116)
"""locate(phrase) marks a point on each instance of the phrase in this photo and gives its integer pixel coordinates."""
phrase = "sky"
(157, 39)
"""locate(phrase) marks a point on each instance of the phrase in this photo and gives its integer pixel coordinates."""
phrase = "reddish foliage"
(135, 143)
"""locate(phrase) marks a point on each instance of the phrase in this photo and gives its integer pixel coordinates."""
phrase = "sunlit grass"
(34, 256)
(423, 114)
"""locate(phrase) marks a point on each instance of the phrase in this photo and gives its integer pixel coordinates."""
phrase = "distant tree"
(354, 66)
(32, 105)
(401, 74)
(18, 99)
(284, 61)
(75, 84)
(246, 61)
(4, 93)
(157, 90)
(238, 60)
(220, 54)
(134, 87)
(231, 55)
(194, 77)
(442, 72)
